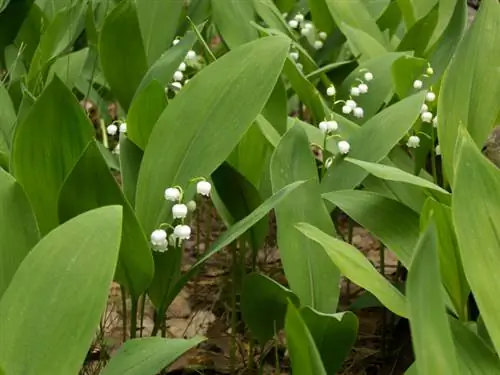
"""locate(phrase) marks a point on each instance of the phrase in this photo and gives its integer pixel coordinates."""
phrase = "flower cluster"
(115, 127)
(179, 77)
(426, 112)
(160, 239)
(307, 29)
(328, 127)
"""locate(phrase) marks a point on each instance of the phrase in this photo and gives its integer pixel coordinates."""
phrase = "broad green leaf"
(7, 119)
(417, 37)
(305, 90)
(363, 43)
(61, 32)
(66, 276)
(13, 14)
(393, 173)
(164, 68)
(422, 7)
(304, 354)
(33, 26)
(474, 356)
(46, 146)
(441, 52)
(130, 163)
(268, 131)
(276, 109)
(232, 19)
(396, 225)
(121, 52)
(354, 13)
(255, 143)
(145, 110)
(234, 232)
(311, 276)
(158, 21)
(333, 334)
(68, 68)
(405, 71)
(451, 269)
(408, 12)
(373, 142)
(240, 198)
(271, 15)
(446, 10)
(321, 16)
(205, 137)
(471, 87)
(18, 230)
(380, 88)
(148, 355)
(476, 216)
(77, 195)
(262, 296)
(356, 267)
(426, 305)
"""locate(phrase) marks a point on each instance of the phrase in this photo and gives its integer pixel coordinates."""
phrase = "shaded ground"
(203, 308)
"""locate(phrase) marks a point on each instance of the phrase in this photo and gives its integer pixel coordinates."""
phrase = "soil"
(203, 308)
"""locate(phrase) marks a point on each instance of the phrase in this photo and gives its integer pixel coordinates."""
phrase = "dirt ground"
(203, 308)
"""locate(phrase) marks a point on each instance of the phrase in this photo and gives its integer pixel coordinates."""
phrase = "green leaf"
(312, 277)
(373, 142)
(61, 33)
(33, 26)
(474, 356)
(333, 334)
(418, 36)
(321, 16)
(276, 109)
(255, 143)
(158, 21)
(363, 43)
(12, 16)
(18, 230)
(428, 320)
(147, 355)
(240, 198)
(451, 269)
(380, 88)
(391, 173)
(60, 284)
(232, 19)
(145, 110)
(7, 119)
(396, 225)
(262, 296)
(69, 68)
(405, 71)
(205, 137)
(164, 68)
(135, 264)
(305, 90)
(477, 182)
(444, 49)
(271, 16)
(234, 232)
(355, 266)
(355, 14)
(46, 146)
(121, 52)
(304, 355)
(470, 88)
(130, 163)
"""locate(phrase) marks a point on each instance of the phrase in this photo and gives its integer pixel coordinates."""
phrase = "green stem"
(133, 317)
(350, 228)
(124, 312)
(433, 157)
(143, 309)
(234, 271)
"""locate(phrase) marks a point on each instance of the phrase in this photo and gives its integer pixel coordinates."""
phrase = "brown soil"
(203, 308)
